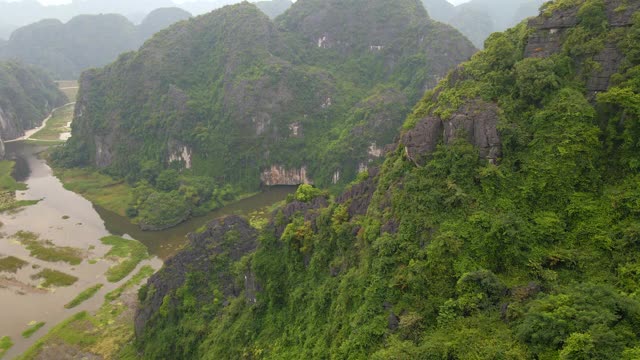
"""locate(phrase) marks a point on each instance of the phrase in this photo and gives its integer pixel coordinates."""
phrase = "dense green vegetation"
(83, 296)
(234, 93)
(534, 256)
(65, 50)
(100, 189)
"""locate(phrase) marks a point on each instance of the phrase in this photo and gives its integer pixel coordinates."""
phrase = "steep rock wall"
(200, 256)
(279, 175)
(476, 121)
(549, 33)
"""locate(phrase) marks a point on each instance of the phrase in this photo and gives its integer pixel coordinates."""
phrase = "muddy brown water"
(21, 300)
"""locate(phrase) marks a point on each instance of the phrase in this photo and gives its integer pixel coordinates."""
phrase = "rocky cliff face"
(550, 31)
(10, 128)
(279, 175)
(223, 241)
(475, 121)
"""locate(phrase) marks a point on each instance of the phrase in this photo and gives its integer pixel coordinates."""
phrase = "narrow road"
(29, 133)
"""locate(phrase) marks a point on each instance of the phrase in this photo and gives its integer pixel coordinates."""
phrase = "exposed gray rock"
(423, 138)
(476, 121)
(358, 197)
(282, 217)
(279, 175)
(393, 321)
(104, 154)
(9, 127)
(550, 31)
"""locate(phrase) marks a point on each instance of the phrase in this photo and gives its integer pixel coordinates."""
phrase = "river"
(67, 219)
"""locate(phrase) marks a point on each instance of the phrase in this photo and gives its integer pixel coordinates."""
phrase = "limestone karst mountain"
(233, 96)
(87, 41)
(27, 95)
(503, 224)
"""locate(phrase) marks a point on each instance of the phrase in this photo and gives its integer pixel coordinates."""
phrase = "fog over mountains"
(17, 14)
(477, 19)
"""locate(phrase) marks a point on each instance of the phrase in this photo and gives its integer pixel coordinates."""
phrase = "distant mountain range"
(17, 14)
(477, 19)
(86, 41)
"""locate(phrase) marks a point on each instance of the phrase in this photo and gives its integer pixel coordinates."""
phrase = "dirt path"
(29, 133)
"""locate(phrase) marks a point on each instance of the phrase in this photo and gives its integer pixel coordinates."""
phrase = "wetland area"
(64, 255)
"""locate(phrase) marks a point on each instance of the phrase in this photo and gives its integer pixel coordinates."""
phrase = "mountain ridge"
(280, 108)
(85, 41)
(449, 250)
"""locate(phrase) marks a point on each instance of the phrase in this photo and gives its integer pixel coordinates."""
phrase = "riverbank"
(30, 133)
(8, 188)
(117, 196)
(56, 257)
(101, 190)
(111, 198)
(73, 307)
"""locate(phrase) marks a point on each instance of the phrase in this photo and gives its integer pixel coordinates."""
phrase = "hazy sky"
(48, 2)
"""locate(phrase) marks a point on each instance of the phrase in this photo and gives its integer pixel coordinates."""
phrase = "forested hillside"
(27, 95)
(233, 99)
(503, 225)
(65, 50)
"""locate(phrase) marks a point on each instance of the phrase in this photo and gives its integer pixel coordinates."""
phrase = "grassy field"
(102, 190)
(128, 253)
(83, 296)
(56, 125)
(32, 329)
(47, 251)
